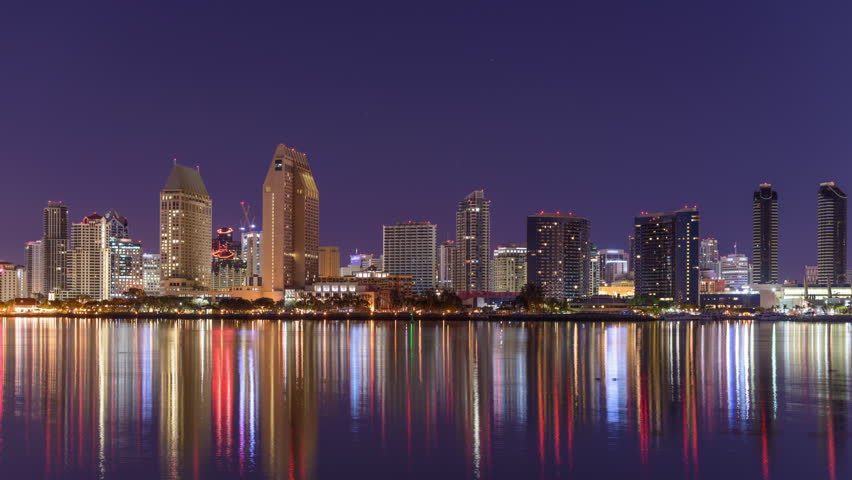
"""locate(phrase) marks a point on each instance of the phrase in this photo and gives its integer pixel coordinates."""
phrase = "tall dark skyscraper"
(831, 234)
(558, 255)
(55, 246)
(117, 224)
(472, 272)
(666, 255)
(765, 234)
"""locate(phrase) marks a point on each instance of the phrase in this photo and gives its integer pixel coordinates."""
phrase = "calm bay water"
(336, 399)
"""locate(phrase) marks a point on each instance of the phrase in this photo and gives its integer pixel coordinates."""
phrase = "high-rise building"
(736, 271)
(472, 271)
(765, 234)
(35, 268)
(186, 220)
(360, 262)
(290, 222)
(13, 281)
(329, 261)
(615, 265)
(831, 234)
(409, 249)
(54, 243)
(708, 258)
(251, 251)
(90, 264)
(125, 260)
(151, 273)
(558, 255)
(666, 255)
(228, 267)
(446, 263)
(811, 275)
(117, 224)
(510, 267)
(595, 269)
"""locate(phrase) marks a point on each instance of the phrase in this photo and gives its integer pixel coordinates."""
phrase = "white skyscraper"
(510, 267)
(409, 249)
(151, 273)
(90, 263)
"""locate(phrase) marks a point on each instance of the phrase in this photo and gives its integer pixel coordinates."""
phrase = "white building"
(510, 268)
(35, 269)
(446, 260)
(125, 258)
(736, 271)
(409, 249)
(13, 281)
(151, 273)
(251, 252)
(90, 267)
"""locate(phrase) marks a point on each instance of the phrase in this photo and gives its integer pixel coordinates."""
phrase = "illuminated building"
(126, 265)
(472, 269)
(831, 234)
(595, 269)
(811, 275)
(615, 265)
(13, 281)
(765, 234)
(251, 251)
(510, 267)
(151, 273)
(35, 268)
(558, 255)
(329, 261)
(708, 258)
(54, 243)
(360, 262)
(290, 222)
(186, 220)
(446, 262)
(90, 264)
(228, 268)
(666, 256)
(117, 224)
(736, 271)
(409, 249)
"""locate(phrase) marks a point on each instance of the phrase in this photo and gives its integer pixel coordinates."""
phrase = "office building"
(117, 224)
(446, 264)
(472, 268)
(54, 243)
(90, 263)
(13, 281)
(736, 271)
(708, 259)
(360, 262)
(666, 255)
(510, 267)
(831, 234)
(765, 234)
(126, 270)
(290, 222)
(595, 270)
(615, 265)
(35, 269)
(329, 261)
(186, 220)
(151, 273)
(558, 255)
(228, 268)
(409, 249)
(251, 252)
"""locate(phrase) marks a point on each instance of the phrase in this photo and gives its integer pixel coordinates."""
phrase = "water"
(267, 399)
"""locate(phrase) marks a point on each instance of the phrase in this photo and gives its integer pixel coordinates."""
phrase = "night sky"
(603, 109)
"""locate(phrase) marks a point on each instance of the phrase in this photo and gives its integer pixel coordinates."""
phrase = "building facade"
(765, 234)
(559, 255)
(54, 243)
(126, 270)
(666, 255)
(472, 269)
(186, 220)
(228, 269)
(409, 249)
(13, 281)
(615, 265)
(708, 258)
(446, 264)
(251, 251)
(151, 273)
(736, 272)
(831, 234)
(90, 262)
(117, 224)
(35, 268)
(290, 222)
(510, 267)
(329, 261)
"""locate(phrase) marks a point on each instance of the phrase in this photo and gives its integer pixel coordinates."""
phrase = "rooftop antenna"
(174, 161)
(735, 248)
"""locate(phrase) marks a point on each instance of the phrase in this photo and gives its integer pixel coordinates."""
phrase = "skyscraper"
(117, 224)
(615, 265)
(446, 264)
(290, 222)
(736, 271)
(125, 264)
(558, 255)
(13, 281)
(510, 267)
(251, 248)
(765, 234)
(186, 220)
(666, 255)
(90, 263)
(151, 273)
(831, 234)
(472, 271)
(35, 268)
(708, 257)
(595, 270)
(228, 265)
(329, 261)
(409, 249)
(54, 243)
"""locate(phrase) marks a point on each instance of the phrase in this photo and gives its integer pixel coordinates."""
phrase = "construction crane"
(247, 223)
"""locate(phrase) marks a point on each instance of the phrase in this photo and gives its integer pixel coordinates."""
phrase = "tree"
(531, 298)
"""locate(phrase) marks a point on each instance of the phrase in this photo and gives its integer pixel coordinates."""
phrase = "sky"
(603, 109)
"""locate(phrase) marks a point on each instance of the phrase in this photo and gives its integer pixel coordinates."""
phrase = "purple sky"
(602, 108)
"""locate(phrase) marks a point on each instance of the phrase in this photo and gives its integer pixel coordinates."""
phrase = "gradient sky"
(604, 109)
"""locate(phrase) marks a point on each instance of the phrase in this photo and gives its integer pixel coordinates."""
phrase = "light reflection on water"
(326, 399)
